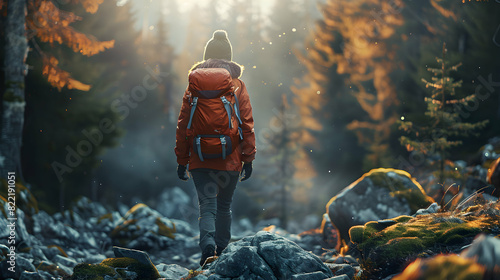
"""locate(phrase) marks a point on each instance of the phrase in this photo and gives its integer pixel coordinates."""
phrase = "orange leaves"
(2, 4)
(90, 6)
(59, 78)
(443, 11)
(52, 25)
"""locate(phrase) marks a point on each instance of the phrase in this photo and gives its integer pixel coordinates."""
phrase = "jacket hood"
(234, 68)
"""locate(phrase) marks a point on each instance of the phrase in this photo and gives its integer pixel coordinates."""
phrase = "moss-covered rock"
(25, 200)
(144, 228)
(387, 245)
(443, 267)
(118, 268)
(85, 271)
(379, 194)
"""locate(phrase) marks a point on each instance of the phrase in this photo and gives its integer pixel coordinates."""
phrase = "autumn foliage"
(49, 24)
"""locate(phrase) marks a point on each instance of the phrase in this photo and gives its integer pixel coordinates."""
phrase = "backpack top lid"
(210, 82)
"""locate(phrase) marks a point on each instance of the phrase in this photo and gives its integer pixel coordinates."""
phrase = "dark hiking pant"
(215, 190)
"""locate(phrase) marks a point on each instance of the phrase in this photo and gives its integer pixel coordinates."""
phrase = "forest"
(372, 119)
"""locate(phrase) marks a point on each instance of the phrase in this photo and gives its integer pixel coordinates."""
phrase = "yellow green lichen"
(164, 230)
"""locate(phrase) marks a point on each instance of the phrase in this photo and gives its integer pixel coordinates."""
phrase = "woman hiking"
(215, 138)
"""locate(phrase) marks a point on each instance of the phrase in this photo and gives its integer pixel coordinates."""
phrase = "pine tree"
(444, 125)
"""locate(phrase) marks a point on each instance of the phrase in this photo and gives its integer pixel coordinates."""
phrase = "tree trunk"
(13, 102)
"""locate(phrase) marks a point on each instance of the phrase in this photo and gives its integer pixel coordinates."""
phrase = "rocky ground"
(382, 226)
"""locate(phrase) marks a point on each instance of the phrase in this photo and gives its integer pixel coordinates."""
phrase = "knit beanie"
(218, 47)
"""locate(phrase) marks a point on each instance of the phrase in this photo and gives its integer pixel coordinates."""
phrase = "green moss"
(143, 271)
(384, 246)
(399, 248)
(443, 267)
(402, 219)
(416, 198)
(356, 234)
(114, 267)
(91, 271)
(119, 262)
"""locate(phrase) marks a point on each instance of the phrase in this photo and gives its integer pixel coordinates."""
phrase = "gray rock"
(340, 277)
(65, 261)
(140, 256)
(379, 194)
(433, 208)
(175, 203)
(183, 227)
(50, 252)
(94, 258)
(340, 269)
(4, 250)
(144, 228)
(26, 275)
(38, 254)
(318, 275)
(172, 271)
(131, 274)
(67, 270)
(485, 250)
(4, 266)
(268, 256)
(24, 264)
(347, 270)
(22, 232)
(86, 208)
(243, 261)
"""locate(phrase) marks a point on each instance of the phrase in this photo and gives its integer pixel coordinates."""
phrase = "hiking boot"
(218, 252)
(208, 252)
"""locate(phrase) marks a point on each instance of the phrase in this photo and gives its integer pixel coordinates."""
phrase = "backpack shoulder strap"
(193, 108)
(237, 112)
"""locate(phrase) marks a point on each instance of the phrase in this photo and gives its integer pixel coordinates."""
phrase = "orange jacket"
(244, 152)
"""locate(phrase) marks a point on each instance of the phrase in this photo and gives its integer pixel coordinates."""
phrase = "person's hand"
(246, 172)
(181, 172)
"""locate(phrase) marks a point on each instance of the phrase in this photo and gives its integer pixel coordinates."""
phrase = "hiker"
(215, 137)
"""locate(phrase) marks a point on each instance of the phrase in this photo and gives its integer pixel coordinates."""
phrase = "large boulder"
(267, 256)
(377, 195)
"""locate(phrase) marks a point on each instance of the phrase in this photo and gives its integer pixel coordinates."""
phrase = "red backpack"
(214, 119)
